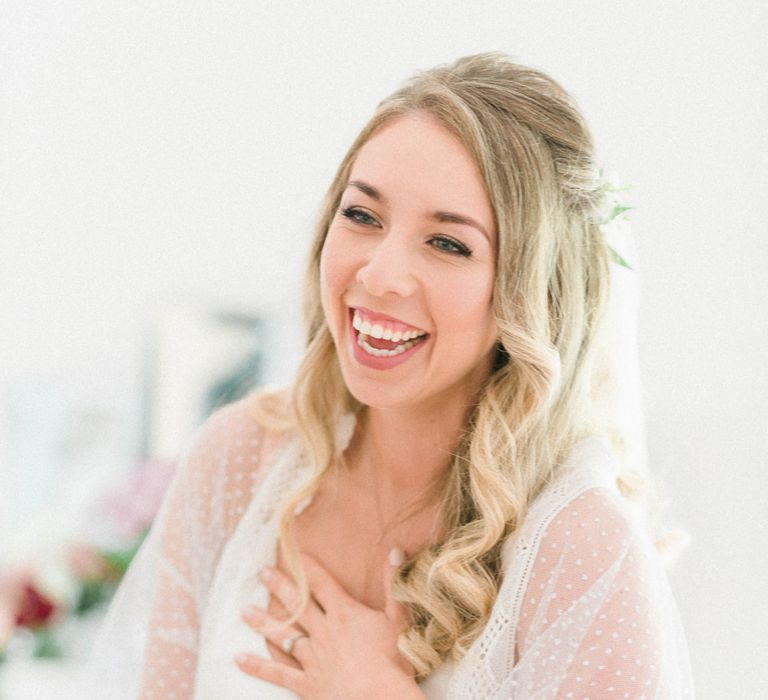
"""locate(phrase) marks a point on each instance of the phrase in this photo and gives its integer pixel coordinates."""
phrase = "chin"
(378, 395)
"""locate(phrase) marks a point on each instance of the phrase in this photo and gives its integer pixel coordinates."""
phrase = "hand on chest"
(347, 553)
(349, 545)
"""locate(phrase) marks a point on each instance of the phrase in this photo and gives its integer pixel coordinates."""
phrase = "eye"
(450, 245)
(359, 216)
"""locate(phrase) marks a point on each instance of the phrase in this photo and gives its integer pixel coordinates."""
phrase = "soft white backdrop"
(156, 151)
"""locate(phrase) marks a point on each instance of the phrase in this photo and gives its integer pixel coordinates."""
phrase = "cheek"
(334, 277)
(468, 302)
(326, 281)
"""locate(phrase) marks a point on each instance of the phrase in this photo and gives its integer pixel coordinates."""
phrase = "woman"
(435, 509)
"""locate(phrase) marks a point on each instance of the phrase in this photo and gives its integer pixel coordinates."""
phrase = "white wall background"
(171, 150)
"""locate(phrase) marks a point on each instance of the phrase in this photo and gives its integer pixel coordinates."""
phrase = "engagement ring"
(288, 642)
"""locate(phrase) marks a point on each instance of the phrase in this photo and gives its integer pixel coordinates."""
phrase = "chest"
(348, 547)
(347, 536)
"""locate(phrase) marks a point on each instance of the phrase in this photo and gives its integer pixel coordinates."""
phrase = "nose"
(388, 268)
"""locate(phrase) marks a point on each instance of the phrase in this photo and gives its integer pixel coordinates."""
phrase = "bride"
(441, 505)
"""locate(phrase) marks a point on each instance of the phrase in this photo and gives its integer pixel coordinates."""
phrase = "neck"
(405, 452)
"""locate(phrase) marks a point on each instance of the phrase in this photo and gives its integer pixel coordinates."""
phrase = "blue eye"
(449, 245)
(443, 243)
(359, 216)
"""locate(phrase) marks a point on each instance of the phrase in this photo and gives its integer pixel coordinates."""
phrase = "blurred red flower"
(32, 608)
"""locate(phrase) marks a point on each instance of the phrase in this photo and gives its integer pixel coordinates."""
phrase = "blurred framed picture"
(199, 359)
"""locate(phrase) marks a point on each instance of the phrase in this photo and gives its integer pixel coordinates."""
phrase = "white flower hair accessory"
(612, 215)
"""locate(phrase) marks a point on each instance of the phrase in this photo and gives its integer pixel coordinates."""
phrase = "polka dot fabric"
(584, 609)
(221, 474)
(147, 647)
(590, 575)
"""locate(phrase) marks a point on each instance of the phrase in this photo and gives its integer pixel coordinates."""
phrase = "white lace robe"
(584, 610)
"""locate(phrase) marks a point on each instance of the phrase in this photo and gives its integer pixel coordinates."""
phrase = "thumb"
(393, 609)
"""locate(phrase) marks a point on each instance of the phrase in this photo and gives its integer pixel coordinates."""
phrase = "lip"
(379, 362)
(374, 316)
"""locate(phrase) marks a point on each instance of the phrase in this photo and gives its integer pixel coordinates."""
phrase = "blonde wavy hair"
(535, 154)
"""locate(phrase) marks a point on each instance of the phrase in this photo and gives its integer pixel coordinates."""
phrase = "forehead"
(415, 162)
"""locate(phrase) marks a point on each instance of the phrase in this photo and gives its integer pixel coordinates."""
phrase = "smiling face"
(407, 270)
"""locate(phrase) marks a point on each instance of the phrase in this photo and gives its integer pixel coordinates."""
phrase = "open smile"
(382, 342)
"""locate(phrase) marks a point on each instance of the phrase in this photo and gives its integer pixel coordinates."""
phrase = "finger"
(394, 609)
(261, 621)
(326, 589)
(287, 593)
(272, 672)
(277, 632)
(270, 627)
(280, 656)
(278, 611)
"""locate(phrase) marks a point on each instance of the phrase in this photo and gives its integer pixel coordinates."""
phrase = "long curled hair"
(535, 155)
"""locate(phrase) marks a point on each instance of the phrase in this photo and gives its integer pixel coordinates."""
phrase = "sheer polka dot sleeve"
(597, 619)
(148, 645)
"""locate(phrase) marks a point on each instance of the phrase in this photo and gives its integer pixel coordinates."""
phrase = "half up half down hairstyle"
(535, 155)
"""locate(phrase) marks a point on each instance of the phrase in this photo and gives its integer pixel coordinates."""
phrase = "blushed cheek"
(470, 304)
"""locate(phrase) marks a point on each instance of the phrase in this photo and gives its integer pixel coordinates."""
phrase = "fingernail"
(266, 574)
(396, 556)
(241, 658)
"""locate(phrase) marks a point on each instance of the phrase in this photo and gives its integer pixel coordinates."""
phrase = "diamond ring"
(287, 644)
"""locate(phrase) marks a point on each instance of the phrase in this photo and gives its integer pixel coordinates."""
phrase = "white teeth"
(362, 341)
(379, 330)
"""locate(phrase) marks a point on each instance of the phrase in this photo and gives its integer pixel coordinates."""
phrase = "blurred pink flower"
(86, 562)
(8, 605)
(134, 504)
(7, 625)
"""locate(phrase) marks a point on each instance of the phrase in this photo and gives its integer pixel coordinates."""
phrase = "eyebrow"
(370, 190)
(443, 217)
